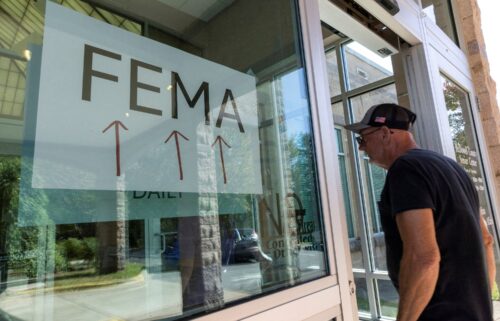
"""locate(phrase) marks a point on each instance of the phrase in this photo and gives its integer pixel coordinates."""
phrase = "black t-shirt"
(425, 179)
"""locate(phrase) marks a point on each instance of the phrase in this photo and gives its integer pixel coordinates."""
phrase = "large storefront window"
(366, 80)
(467, 153)
(156, 160)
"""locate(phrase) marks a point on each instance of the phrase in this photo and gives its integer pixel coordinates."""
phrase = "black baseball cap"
(390, 115)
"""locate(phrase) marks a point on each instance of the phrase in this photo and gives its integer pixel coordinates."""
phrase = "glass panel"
(375, 180)
(373, 176)
(100, 207)
(389, 298)
(103, 15)
(467, 153)
(441, 13)
(362, 294)
(11, 87)
(347, 176)
(363, 66)
(338, 113)
(332, 70)
(360, 104)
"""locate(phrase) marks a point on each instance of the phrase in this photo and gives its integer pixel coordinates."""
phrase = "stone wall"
(469, 20)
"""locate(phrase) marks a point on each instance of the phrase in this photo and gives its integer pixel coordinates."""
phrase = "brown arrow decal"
(117, 124)
(221, 140)
(179, 159)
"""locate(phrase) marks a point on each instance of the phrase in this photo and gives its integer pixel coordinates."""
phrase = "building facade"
(182, 159)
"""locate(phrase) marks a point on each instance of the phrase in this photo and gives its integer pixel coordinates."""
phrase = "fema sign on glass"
(117, 111)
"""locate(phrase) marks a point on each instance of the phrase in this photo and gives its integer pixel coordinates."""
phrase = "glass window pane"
(360, 104)
(363, 66)
(206, 193)
(389, 298)
(347, 176)
(338, 113)
(11, 87)
(362, 294)
(373, 177)
(102, 14)
(464, 139)
(467, 152)
(332, 70)
(440, 12)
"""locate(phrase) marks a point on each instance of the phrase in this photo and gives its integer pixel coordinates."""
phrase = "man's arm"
(488, 249)
(419, 268)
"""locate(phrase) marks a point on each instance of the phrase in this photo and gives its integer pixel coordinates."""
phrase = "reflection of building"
(209, 249)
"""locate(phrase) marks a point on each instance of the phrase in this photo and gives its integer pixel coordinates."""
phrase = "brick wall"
(469, 19)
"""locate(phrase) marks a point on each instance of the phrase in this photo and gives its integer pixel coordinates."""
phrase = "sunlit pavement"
(152, 296)
(496, 310)
(131, 301)
(148, 296)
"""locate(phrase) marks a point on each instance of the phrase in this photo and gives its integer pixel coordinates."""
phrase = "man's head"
(383, 133)
(389, 115)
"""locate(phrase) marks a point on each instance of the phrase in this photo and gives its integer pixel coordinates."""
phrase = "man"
(439, 251)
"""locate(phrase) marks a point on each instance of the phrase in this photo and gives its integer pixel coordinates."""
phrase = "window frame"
(325, 295)
(454, 66)
(369, 273)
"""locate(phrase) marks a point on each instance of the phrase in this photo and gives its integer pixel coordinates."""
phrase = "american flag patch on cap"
(379, 120)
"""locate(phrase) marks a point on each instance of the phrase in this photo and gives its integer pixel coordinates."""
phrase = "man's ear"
(386, 134)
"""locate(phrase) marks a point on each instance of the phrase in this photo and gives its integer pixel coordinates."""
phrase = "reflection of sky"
(295, 98)
(295, 103)
(375, 59)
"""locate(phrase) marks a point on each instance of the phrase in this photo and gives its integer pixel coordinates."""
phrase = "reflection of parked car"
(170, 251)
(237, 245)
(247, 246)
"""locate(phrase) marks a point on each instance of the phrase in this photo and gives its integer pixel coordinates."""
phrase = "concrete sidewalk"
(153, 296)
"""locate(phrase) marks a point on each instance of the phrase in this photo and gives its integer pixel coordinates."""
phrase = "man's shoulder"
(419, 159)
(411, 156)
(422, 160)
(424, 156)
(420, 153)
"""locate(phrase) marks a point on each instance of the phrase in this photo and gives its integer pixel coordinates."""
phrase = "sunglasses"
(361, 138)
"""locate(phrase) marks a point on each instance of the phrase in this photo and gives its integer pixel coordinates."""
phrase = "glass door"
(468, 155)
(359, 79)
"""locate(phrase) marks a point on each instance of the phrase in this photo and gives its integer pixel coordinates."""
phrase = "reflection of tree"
(18, 245)
(452, 96)
(300, 153)
(9, 191)
(455, 100)
(303, 175)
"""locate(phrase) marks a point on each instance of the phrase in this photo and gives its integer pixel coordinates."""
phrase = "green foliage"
(73, 249)
(303, 170)
(68, 283)
(9, 188)
(452, 95)
(495, 295)
(90, 245)
(60, 261)
(455, 100)
(19, 243)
